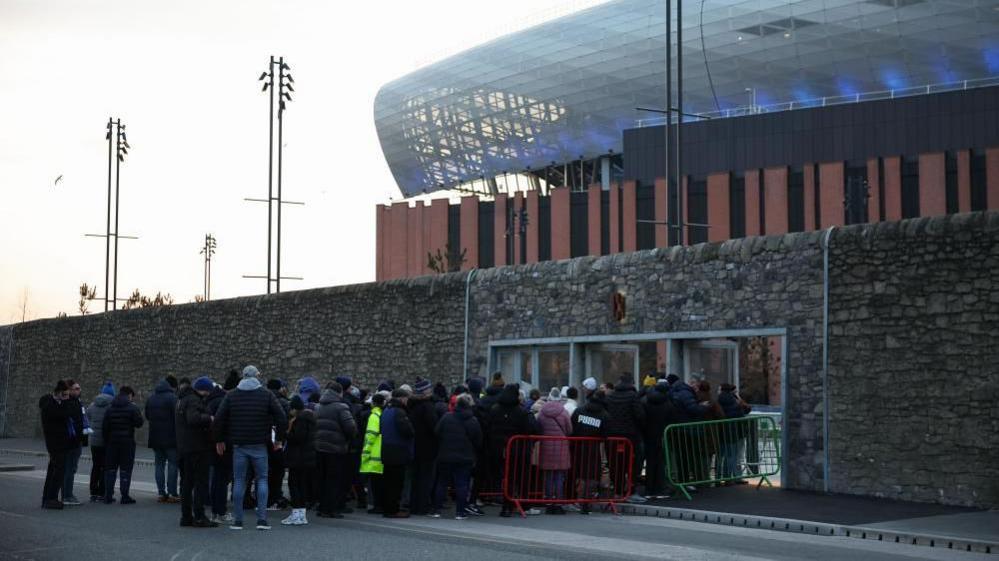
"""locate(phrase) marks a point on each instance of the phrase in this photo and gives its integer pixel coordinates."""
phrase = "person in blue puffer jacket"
(398, 447)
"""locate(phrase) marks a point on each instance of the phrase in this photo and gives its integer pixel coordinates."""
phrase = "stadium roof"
(566, 89)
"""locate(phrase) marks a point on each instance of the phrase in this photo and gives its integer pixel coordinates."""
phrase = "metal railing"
(709, 452)
(832, 100)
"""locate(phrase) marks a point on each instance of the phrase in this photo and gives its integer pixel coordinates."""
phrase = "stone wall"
(913, 321)
(914, 359)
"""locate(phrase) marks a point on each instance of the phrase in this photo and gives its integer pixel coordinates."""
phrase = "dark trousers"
(54, 475)
(275, 476)
(422, 485)
(334, 480)
(119, 459)
(393, 478)
(655, 467)
(97, 457)
(221, 475)
(194, 485)
(457, 475)
(299, 484)
(377, 482)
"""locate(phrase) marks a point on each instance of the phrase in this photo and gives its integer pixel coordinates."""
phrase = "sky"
(182, 76)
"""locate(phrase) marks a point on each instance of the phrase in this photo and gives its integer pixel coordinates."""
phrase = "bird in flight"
(57, 180)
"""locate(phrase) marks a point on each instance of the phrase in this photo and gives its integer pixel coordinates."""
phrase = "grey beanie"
(250, 372)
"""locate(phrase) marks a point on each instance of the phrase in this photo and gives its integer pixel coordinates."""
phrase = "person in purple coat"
(553, 457)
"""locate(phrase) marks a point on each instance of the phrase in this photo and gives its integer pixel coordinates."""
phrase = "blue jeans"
(166, 461)
(729, 459)
(554, 484)
(72, 461)
(241, 456)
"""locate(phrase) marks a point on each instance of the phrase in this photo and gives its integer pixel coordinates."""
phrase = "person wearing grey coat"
(95, 412)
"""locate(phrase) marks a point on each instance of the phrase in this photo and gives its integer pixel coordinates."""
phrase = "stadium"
(797, 115)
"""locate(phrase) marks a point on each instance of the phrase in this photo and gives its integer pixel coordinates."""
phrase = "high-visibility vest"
(371, 454)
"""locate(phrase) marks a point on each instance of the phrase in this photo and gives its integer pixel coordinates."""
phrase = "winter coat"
(356, 411)
(194, 423)
(247, 415)
(507, 418)
(688, 409)
(95, 412)
(459, 437)
(214, 399)
(423, 415)
(627, 416)
(659, 413)
(75, 425)
(160, 408)
(732, 405)
(554, 421)
(335, 425)
(590, 419)
(398, 436)
(371, 453)
(300, 452)
(483, 406)
(55, 416)
(283, 401)
(120, 421)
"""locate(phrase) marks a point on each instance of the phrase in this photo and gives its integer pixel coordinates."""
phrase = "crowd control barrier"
(558, 470)
(725, 450)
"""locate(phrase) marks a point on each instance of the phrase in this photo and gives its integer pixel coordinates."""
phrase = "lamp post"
(208, 250)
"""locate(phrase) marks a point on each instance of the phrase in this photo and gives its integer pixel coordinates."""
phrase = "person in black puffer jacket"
(336, 428)
(590, 420)
(398, 439)
(459, 438)
(55, 413)
(423, 415)
(194, 446)
(507, 419)
(659, 413)
(221, 473)
(160, 408)
(484, 481)
(120, 422)
(301, 458)
(627, 420)
(246, 418)
(275, 457)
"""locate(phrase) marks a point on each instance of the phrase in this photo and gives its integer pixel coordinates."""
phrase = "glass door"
(607, 363)
(716, 359)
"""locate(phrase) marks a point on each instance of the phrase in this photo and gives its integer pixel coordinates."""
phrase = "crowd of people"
(395, 451)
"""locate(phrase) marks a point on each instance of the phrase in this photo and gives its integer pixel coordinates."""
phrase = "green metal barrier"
(717, 451)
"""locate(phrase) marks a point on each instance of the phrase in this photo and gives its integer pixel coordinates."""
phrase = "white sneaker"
(532, 512)
(226, 518)
(636, 498)
(292, 518)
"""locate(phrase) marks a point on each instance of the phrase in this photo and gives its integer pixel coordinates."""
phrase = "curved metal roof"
(567, 88)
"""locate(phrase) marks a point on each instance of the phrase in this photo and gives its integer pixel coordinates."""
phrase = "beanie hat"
(422, 386)
(108, 388)
(385, 387)
(498, 380)
(344, 381)
(250, 372)
(406, 387)
(274, 384)
(296, 403)
(590, 383)
(354, 391)
(203, 384)
(555, 394)
(648, 381)
(475, 386)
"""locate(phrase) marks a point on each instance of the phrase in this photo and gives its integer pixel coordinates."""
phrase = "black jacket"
(77, 438)
(214, 399)
(659, 413)
(300, 452)
(688, 409)
(248, 414)
(336, 426)
(507, 418)
(590, 419)
(120, 421)
(627, 416)
(160, 408)
(194, 423)
(459, 437)
(55, 416)
(423, 416)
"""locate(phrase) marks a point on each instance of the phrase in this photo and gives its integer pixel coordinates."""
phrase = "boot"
(302, 520)
(292, 518)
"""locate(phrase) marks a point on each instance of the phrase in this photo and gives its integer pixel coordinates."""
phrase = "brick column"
(470, 232)
(518, 203)
(615, 219)
(718, 207)
(532, 226)
(963, 181)
(808, 185)
(398, 231)
(560, 224)
(775, 200)
(380, 229)
(499, 230)
(873, 200)
(932, 184)
(831, 179)
(416, 260)
(661, 200)
(992, 178)
(629, 216)
(752, 189)
(893, 188)
(593, 214)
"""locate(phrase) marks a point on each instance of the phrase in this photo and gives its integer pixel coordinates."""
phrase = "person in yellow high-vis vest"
(371, 453)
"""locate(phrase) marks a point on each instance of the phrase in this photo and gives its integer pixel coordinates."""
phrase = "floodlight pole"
(117, 185)
(280, 154)
(270, 174)
(107, 249)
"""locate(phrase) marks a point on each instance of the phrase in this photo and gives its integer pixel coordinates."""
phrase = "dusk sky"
(182, 76)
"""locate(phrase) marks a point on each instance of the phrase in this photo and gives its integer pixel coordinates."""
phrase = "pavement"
(673, 529)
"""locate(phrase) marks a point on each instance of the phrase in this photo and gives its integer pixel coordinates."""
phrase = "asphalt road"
(149, 531)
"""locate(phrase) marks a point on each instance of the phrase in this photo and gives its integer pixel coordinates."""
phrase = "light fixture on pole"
(208, 250)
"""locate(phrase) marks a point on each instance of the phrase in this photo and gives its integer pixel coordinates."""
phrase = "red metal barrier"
(557, 470)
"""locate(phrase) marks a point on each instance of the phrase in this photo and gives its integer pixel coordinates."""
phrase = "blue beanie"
(203, 384)
(344, 382)
(422, 386)
(307, 386)
(108, 388)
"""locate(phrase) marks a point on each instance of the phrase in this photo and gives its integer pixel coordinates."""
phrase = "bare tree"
(24, 305)
(87, 293)
(448, 260)
(137, 300)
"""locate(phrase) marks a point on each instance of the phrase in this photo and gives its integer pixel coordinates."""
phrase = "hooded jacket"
(397, 435)
(591, 419)
(194, 423)
(627, 416)
(688, 409)
(554, 421)
(247, 415)
(300, 451)
(160, 409)
(659, 413)
(423, 415)
(55, 416)
(335, 425)
(371, 453)
(120, 421)
(459, 437)
(507, 418)
(95, 412)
